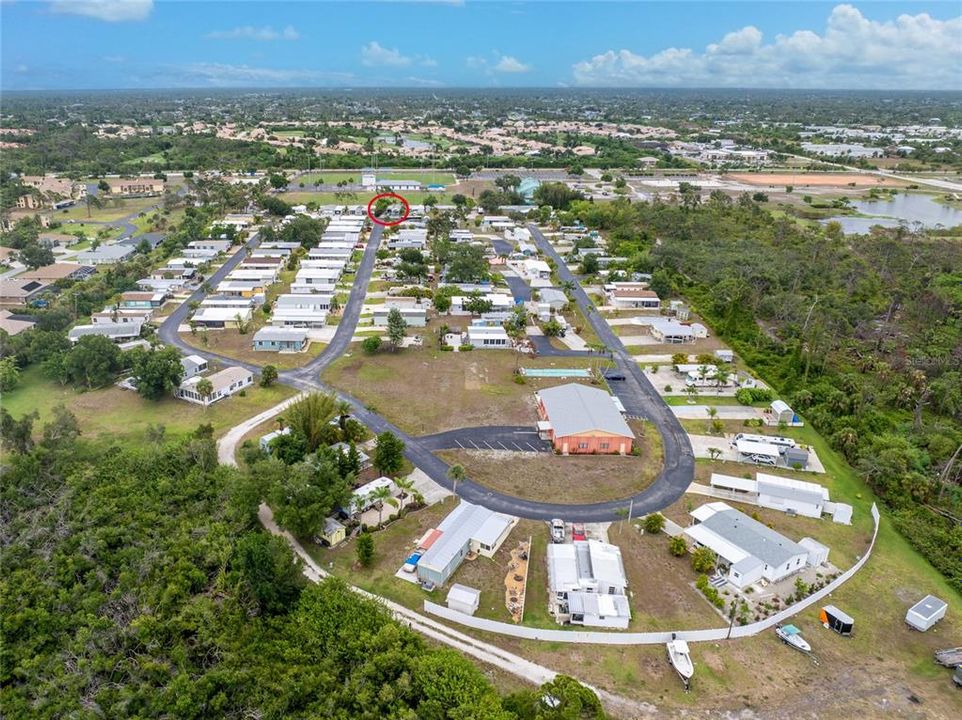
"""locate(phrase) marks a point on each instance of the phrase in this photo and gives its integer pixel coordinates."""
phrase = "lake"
(406, 142)
(903, 207)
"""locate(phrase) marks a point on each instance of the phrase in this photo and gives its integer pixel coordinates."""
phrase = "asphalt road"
(670, 484)
(517, 438)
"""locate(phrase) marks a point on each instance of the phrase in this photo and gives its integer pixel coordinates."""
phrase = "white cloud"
(226, 75)
(374, 54)
(423, 82)
(249, 32)
(912, 51)
(500, 63)
(508, 64)
(108, 10)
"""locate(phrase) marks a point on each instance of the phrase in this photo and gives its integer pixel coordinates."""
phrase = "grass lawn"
(357, 198)
(112, 209)
(424, 390)
(124, 413)
(547, 477)
(90, 231)
(231, 343)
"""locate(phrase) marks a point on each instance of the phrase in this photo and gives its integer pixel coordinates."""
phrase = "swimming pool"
(556, 372)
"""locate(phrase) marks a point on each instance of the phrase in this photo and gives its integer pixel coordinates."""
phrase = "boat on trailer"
(792, 636)
(680, 659)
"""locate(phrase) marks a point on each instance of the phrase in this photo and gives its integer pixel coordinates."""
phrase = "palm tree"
(380, 496)
(406, 486)
(456, 474)
(205, 388)
(691, 391)
(712, 412)
(343, 413)
(310, 415)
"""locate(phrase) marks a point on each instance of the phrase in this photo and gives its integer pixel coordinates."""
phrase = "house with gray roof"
(581, 419)
(104, 255)
(468, 529)
(749, 549)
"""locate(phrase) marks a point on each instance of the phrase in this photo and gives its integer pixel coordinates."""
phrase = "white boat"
(791, 635)
(680, 659)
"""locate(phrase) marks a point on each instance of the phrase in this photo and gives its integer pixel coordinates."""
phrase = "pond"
(901, 208)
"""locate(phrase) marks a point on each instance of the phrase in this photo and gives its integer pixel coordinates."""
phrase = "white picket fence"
(653, 638)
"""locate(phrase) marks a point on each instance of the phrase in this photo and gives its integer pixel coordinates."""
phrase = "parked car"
(615, 376)
(557, 531)
(578, 531)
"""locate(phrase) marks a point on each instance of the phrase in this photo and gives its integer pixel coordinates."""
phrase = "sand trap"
(802, 179)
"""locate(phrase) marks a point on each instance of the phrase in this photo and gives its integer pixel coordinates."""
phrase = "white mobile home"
(225, 383)
(792, 496)
(488, 337)
(413, 316)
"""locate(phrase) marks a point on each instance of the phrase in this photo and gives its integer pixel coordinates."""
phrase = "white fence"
(652, 638)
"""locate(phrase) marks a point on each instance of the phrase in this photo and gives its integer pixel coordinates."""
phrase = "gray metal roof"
(758, 540)
(928, 606)
(267, 334)
(574, 409)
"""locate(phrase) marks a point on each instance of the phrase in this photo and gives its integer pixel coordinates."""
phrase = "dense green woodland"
(862, 335)
(136, 584)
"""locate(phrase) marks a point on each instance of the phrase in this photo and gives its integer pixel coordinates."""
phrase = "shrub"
(677, 546)
(519, 380)
(747, 396)
(703, 560)
(371, 345)
(465, 348)
(667, 388)
(447, 348)
(654, 523)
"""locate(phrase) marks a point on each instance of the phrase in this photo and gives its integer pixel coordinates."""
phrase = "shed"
(796, 456)
(332, 533)
(817, 553)
(463, 599)
(781, 412)
(842, 514)
(725, 355)
(834, 619)
(926, 612)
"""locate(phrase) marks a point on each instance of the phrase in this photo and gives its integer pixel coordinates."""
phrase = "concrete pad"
(629, 340)
(701, 443)
(432, 492)
(573, 341)
(724, 412)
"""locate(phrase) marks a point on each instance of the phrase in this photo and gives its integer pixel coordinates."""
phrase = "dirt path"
(227, 445)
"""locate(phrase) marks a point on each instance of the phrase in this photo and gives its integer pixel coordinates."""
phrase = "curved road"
(638, 395)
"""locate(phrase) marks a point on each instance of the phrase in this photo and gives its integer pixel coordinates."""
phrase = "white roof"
(704, 536)
(780, 406)
(221, 314)
(789, 487)
(928, 606)
(463, 594)
(842, 514)
(750, 447)
(732, 482)
(466, 522)
(490, 330)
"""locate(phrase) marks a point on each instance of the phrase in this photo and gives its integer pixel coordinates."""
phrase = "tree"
(17, 434)
(93, 362)
(714, 453)
(311, 416)
(156, 371)
(205, 388)
(264, 565)
(691, 391)
(703, 560)
(589, 264)
(564, 698)
(9, 374)
(278, 181)
(35, 256)
(103, 186)
(456, 474)
(467, 263)
(388, 453)
(396, 326)
(552, 328)
(654, 523)
(365, 549)
(405, 485)
(380, 496)
(677, 546)
(371, 344)
(307, 493)
(289, 447)
(268, 376)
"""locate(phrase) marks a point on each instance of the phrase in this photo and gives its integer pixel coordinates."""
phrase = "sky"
(106, 44)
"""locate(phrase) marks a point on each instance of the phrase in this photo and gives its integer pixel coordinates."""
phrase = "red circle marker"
(407, 209)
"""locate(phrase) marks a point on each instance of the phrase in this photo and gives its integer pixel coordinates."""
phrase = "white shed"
(817, 553)
(781, 412)
(463, 599)
(926, 612)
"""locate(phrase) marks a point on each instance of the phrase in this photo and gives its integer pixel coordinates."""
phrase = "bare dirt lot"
(814, 180)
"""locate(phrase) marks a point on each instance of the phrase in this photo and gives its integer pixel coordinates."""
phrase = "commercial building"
(468, 529)
(136, 187)
(578, 419)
